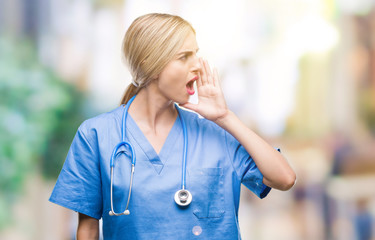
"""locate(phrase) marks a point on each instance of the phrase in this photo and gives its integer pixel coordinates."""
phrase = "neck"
(150, 109)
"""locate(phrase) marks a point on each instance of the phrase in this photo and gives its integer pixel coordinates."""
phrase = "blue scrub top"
(217, 164)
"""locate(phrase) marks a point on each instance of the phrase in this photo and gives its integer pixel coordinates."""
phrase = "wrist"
(225, 119)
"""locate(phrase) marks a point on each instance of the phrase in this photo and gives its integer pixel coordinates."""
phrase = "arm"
(211, 104)
(275, 169)
(88, 228)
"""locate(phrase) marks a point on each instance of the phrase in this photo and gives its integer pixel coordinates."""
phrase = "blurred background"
(301, 73)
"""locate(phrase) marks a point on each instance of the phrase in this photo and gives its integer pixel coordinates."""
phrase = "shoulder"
(101, 122)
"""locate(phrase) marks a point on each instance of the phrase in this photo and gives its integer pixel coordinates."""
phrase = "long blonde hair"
(149, 44)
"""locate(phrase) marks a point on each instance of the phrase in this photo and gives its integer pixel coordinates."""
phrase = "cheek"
(173, 75)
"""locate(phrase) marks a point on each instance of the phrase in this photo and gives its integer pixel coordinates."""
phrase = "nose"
(196, 65)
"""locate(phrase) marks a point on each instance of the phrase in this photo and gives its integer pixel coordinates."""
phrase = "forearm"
(88, 228)
(275, 169)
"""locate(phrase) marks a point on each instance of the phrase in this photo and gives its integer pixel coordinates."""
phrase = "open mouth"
(190, 86)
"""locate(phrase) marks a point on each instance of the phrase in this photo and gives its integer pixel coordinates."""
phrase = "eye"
(184, 57)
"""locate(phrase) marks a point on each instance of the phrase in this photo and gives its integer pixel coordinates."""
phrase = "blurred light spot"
(307, 35)
(197, 230)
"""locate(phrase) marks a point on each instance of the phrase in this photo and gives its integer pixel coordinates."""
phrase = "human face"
(176, 80)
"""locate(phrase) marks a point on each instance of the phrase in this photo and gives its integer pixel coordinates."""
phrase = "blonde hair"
(149, 44)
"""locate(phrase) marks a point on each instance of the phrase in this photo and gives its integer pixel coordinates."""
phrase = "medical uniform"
(216, 166)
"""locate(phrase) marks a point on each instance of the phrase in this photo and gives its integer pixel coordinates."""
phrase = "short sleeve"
(78, 186)
(245, 167)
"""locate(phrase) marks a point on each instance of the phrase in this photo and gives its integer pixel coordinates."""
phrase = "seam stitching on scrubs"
(84, 189)
(177, 135)
(149, 162)
(135, 139)
(227, 150)
(86, 139)
(97, 160)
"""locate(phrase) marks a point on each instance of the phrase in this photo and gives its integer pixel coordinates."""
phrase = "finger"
(190, 106)
(203, 72)
(208, 72)
(199, 81)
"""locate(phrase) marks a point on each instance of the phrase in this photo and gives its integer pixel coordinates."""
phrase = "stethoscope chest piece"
(183, 197)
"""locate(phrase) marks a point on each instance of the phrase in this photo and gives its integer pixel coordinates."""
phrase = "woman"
(221, 152)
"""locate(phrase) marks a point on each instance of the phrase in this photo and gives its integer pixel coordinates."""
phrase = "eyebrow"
(188, 51)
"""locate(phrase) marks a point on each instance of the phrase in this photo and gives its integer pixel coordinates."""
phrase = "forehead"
(190, 43)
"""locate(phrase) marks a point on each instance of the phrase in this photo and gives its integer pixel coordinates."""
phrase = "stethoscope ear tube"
(126, 211)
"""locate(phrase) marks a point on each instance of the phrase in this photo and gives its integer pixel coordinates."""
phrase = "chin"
(182, 100)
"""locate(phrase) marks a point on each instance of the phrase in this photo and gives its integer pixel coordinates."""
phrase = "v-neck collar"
(158, 161)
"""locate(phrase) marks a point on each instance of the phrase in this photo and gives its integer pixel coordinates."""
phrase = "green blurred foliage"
(39, 115)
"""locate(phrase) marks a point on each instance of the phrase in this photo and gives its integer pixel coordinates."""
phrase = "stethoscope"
(182, 197)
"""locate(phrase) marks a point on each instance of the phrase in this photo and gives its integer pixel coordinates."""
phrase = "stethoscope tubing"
(114, 153)
(183, 175)
(180, 195)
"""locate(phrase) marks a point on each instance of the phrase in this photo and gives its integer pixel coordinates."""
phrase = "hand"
(211, 103)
